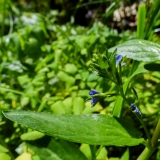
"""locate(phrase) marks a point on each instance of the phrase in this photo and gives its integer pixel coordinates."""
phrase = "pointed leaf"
(125, 156)
(91, 129)
(140, 50)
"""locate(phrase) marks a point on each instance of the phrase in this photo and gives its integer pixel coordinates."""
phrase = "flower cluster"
(135, 110)
(94, 100)
(109, 62)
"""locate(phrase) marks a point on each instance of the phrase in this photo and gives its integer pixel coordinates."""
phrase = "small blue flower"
(135, 110)
(118, 59)
(133, 107)
(93, 92)
(94, 100)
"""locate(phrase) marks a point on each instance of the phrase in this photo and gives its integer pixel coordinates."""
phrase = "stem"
(139, 118)
(145, 129)
(156, 135)
(11, 90)
(41, 107)
(147, 152)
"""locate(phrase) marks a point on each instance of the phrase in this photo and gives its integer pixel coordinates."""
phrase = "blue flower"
(94, 100)
(135, 109)
(93, 92)
(118, 59)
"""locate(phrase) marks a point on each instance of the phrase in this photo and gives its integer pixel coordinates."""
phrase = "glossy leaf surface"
(91, 128)
(140, 50)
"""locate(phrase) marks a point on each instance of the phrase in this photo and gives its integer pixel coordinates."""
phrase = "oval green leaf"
(91, 128)
(31, 136)
(140, 50)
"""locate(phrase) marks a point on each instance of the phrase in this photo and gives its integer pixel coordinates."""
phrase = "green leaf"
(58, 107)
(125, 156)
(102, 154)
(3, 149)
(5, 156)
(32, 135)
(70, 68)
(35, 157)
(44, 153)
(112, 61)
(85, 149)
(141, 21)
(66, 150)
(66, 78)
(24, 156)
(67, 102)
(152, 66)
(91, 129)
(140, 50)
(78, 105)
(58, 150)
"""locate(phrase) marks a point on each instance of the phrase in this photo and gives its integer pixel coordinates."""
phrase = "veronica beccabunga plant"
(109, 66)
(102, 129)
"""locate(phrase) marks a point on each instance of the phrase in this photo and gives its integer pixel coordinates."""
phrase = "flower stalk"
(148, 151)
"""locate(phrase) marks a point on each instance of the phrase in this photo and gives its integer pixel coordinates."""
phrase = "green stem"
(139, 118)
(145, 129)
(147, 152)
(156, 135)
(11, 90)
(41, 107)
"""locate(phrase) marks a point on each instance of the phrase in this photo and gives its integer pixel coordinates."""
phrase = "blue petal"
(133, 107)
(93, 92)
(94, 101)
(135, 110)
(118, 59)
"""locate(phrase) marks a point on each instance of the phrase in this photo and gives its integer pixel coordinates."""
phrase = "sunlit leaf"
(33, 135)
(140, 50)
(91, 129)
